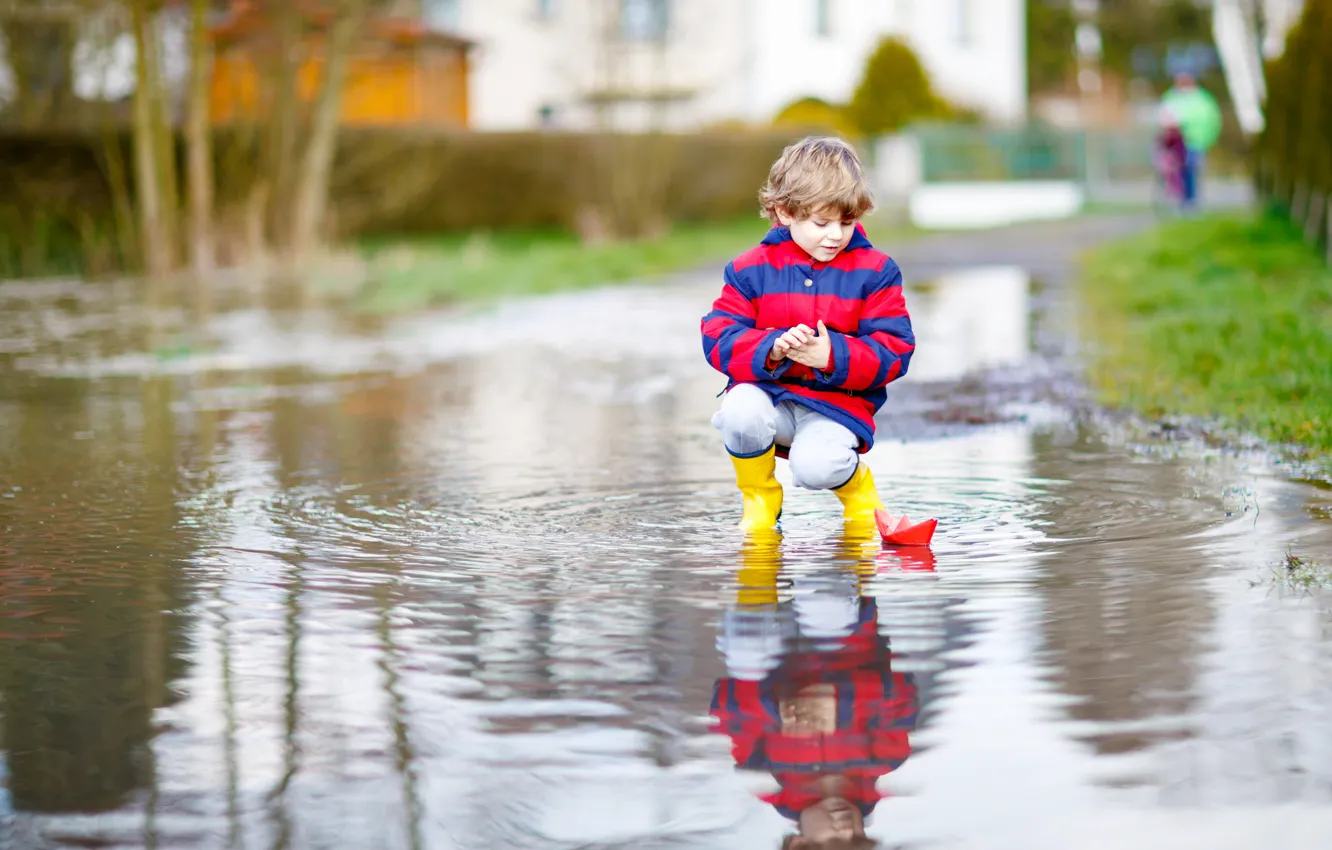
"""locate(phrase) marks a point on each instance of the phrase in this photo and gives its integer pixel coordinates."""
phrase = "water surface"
(279, 576)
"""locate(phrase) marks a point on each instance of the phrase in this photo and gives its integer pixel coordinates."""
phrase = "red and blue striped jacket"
(774, 287)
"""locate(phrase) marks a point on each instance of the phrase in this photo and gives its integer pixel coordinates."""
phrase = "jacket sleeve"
(731, 342)
(879, 352)
(900, 708)
(747, 730)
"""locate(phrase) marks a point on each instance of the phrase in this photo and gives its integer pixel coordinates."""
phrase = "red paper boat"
(901, 531)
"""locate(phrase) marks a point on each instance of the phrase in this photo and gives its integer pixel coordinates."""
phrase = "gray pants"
(823, 452)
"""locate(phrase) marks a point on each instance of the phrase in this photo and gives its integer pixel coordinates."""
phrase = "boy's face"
(823, 234)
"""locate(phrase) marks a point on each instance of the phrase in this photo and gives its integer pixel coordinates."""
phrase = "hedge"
(58, 212)
(1294, 167)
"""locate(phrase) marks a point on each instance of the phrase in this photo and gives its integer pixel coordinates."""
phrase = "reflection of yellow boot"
(858, 547)
(859, 497)
(760, 563)
(763, 495)
(754, 627)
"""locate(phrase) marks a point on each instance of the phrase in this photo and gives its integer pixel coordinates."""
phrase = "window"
(645, 20)
(823, 18)
(442, 14)
(965, 30)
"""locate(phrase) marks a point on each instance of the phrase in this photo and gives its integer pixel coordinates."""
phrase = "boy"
(810, 328)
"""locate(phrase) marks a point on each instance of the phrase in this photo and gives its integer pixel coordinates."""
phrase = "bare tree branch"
(311, 194)
(153, 232)
(199, 141)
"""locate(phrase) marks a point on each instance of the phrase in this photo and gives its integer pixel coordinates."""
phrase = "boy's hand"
(779, 350)
(791, 341)
(782, 346)
(813, 351)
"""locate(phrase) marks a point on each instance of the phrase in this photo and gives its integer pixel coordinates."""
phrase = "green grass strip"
(1219, 316)
(409, 274)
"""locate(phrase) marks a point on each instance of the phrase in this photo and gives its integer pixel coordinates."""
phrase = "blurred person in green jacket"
(1199, 119)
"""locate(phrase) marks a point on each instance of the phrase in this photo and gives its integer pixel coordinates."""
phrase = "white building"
(690, 63)
(680, 64)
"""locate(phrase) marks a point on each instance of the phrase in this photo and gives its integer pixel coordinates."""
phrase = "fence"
(953, 153)
(973, 176)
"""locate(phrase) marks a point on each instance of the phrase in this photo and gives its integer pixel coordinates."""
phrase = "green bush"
(430, 183)
(1294, 155)
(815, 114)
(1051, 62)
(894, 91)
(58, 208)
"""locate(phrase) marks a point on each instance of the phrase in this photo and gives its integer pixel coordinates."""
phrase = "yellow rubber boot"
(859, 497)
(763, 495)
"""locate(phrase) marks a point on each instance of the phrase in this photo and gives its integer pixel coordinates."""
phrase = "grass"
(1301, 574)
(409, 274)
(1221, 316)
(39, 243)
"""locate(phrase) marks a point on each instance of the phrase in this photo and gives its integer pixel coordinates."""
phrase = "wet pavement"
(279, 576)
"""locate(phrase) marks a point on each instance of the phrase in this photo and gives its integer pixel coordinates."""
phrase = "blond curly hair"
(817, 174)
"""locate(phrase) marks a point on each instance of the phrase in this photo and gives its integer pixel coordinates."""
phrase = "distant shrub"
(812, 113)
(894, 91)
(598, 185)
(57, 210)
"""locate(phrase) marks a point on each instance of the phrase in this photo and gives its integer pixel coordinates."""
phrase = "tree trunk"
(1313, 219)
(155, 243)
(198, 136)
(311, 192)
(1299, 203)
(130, 254)
(283, 114)
(166, 138)
(1328, 219)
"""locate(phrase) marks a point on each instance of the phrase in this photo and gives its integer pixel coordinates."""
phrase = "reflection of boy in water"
(812, 699)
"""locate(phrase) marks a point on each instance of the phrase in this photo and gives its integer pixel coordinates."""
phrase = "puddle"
(977, 320)
(280, 577)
